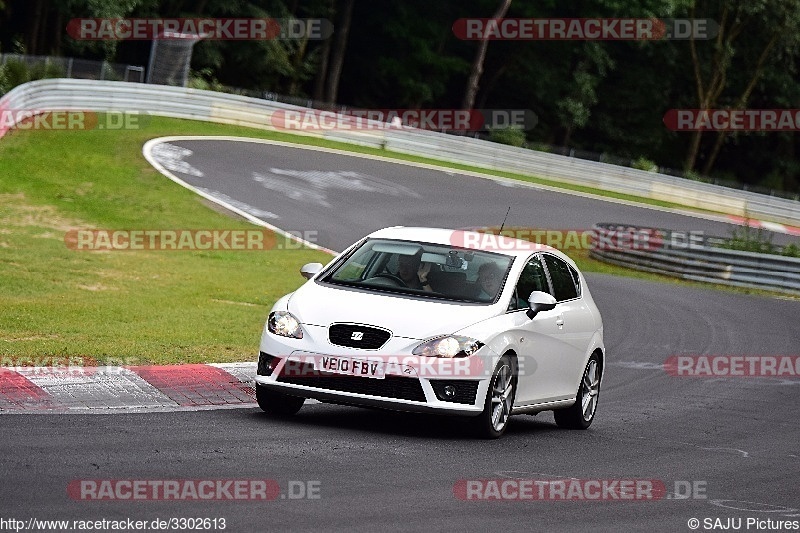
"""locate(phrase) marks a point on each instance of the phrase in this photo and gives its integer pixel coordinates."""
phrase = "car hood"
(413, 318)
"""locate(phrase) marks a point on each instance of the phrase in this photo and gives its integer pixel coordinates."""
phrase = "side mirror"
(310, 270)
(539, 301)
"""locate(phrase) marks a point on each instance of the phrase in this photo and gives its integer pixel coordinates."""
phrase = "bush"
(44, 70)
(791, 250)
(541, 147)
(773, 180)
(17, 73)
(748, 239)
(205, 80)
(5, 86)
(645, 164)
(511, 136)
(693, 175)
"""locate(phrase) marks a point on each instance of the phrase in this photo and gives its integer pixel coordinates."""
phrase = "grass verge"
(139, 307)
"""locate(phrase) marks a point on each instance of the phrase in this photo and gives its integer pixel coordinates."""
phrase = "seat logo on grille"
(357, 336)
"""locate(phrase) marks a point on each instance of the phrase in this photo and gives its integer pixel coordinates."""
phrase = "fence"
(699, 260)
(69, 67)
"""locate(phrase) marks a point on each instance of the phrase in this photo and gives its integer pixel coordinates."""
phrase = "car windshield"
(428, 270)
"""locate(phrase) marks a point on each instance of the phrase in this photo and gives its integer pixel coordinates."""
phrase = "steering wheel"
(396, 279)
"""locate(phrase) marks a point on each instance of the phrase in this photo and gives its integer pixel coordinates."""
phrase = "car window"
(532, 278)
(561, 277)
(401, 266)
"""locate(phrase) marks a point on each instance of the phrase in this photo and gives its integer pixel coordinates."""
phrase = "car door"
(541, 348)
(574, 320)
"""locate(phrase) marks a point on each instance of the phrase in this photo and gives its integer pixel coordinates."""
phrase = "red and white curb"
(26, 390)
(762, 224)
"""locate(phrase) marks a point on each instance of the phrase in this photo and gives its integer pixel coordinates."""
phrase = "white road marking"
(97, 388)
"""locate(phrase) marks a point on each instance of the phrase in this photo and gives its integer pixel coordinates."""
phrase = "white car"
(439, 321)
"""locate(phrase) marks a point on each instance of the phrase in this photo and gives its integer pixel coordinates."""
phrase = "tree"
(772, 25)
(341, 34)
(324, 57)
(473, 82)
(416, 62)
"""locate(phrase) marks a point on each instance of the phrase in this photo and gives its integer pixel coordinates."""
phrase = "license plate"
(350, 366)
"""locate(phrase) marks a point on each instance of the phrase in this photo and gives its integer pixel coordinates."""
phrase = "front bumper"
(402, 388)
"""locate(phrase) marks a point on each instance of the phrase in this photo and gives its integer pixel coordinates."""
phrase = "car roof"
(466, 239)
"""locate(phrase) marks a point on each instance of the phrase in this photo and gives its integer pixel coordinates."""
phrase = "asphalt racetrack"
(721, 448)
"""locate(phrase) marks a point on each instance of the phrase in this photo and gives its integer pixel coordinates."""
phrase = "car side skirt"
(539, 407)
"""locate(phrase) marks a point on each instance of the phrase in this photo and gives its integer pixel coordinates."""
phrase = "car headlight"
(284, 324)
(448, 346)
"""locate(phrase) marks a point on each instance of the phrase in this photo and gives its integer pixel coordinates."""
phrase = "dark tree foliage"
(603, 96)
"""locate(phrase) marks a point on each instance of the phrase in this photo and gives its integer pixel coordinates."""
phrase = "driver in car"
(488, 281)
(413, 272)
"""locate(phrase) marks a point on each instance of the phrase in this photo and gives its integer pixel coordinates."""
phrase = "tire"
(277, 404)
(581, 414)
(493, 421)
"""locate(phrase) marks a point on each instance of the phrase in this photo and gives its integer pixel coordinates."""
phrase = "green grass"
(139, 307)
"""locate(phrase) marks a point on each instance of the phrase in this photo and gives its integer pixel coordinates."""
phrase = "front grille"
(465, 390)
(401, 388)
(366, 337)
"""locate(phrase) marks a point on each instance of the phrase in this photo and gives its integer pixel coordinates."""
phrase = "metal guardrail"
(697, 259)
(224, 108)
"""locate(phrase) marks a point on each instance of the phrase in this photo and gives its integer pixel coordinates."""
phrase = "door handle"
(560, 321)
